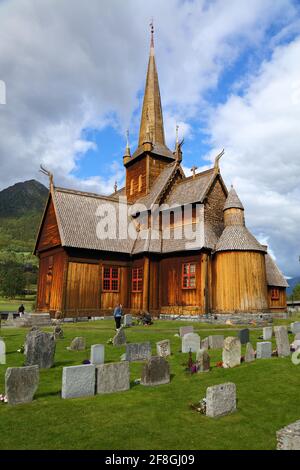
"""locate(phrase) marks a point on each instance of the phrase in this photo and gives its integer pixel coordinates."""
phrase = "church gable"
(49, 236)
(214, 205)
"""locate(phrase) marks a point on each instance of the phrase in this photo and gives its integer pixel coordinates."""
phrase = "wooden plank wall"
(280, 304)
(239, 282)
(83, 286)
(50, 286)
(133, 172)
(49, 236)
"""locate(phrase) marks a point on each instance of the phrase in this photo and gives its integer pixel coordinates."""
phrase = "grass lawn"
(7, 305)
(150, 417)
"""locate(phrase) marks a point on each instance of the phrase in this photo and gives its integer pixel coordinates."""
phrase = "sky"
(229, 74)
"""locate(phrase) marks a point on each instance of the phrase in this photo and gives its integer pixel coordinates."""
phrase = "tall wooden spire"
(152, 126)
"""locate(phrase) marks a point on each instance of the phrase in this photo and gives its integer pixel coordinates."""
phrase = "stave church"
(224, 271)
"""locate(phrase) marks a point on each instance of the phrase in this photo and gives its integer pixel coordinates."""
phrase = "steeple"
(152, 126)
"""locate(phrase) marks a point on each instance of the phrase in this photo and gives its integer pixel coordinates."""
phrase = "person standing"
(118, 312)
(21, 310)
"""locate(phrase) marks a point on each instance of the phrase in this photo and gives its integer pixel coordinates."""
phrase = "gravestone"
(203, 360)
(205, 343)
(58, 332)
(120, 338)
(297, 337)
(21, 384)
(2, 352)
(163, 348)
(216, 341)
(267, 333)
(114, 377)
(296, 345)
(295, 327)
(243, 336)
(282, 341)
(138, 351)
(263, 350)
(156, 371)
(220, 400)
(231, 355)
(288, 438)
(40, 349)
(190, 342)
(97, 354)
(78, 381)
(77, 344)
(250, 353)
(127, 320)
(184, 330)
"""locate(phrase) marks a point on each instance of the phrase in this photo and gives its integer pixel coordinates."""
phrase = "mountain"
(292, 283)
(21, 209)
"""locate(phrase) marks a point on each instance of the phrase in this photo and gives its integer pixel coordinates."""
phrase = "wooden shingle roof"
(274, 275)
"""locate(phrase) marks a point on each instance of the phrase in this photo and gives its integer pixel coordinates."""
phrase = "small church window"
(131, 187)
(189, 276)
(275, 294)
(137, 279)
(140, 183)
(111, 279)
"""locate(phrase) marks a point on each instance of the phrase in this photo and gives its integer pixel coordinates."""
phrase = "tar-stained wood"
(146, 281)
(51, 279)
(109, 300)
(277, 305)
(83, 286)
(156, 166)
(134, 172)
(49, 236)
(136, 298)
(240, 283)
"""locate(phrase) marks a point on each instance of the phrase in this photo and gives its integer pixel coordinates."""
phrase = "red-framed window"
(189, 276)
(275, 294)
(137, 280)
(111, 279)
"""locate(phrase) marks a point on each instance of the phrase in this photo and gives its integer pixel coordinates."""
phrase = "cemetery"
(86, 386)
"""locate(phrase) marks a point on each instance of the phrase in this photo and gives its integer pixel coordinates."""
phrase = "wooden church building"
(225, 271)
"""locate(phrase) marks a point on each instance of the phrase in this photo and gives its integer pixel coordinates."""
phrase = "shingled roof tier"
(233, 201)
(238, 238)
(274, 275)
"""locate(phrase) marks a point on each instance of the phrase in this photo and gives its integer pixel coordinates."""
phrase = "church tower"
(152, 154)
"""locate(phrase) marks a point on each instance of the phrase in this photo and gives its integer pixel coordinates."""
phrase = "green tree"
(12, 282)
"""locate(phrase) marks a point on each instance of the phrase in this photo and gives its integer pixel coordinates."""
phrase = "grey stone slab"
(220, 400)
(250, 353)
(216, 341)
(2, 352)
(267, 333)
(205, 343)
(263, 350)
(77, 344)
(288, 438)
(203, 360)
(40, 349)
(295, 327)
(114, 377)
(163, 348)
(97, 354)
(127, 320)
(21, 384)
(244, 336)
(282, 341)
(184, 330)
(58, 332)
(78, 381)
(190, 342)
(296, 345)
(120, 338)
(138, 351)
(156, 371)
(231, 355)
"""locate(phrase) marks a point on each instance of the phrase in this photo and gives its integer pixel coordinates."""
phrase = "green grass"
(150, 417)
(7, 305)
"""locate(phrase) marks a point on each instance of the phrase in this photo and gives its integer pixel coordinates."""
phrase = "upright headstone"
(288, 438)
(127, 320)
(138, 351)
(243, 336)
(263, 350)
(296, 345)
(40, 349)
(295, 327)
(58, 332)
(120, 338)
(216, 341)
(78, 381)
(77, 344)
(267, 333)
(297, 337)
(220, 400)
(250, 353)
(203, 360)
(97, 354)
(156, 371)
(231, 352)
(190, 342)
(282, 341)
(184, 330)
(2, 352)
(114, 377)
(163, 348)
(205, 343)
(21, 384)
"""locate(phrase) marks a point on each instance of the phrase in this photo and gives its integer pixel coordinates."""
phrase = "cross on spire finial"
(193, 169)
(152, 32)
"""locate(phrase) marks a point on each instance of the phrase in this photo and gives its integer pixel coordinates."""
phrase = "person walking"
(118, 312)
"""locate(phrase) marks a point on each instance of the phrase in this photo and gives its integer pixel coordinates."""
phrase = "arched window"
(140, 183)
(131, 187)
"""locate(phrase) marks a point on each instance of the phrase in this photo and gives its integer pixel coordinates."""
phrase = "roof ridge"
(197, 175)
(86, 194)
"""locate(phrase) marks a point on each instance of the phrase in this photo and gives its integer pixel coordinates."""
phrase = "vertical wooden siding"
(83, 286)
(280, 304)
(51, 287)
(49, 235)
